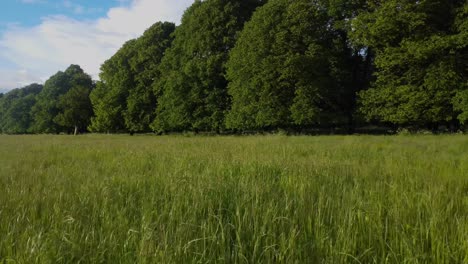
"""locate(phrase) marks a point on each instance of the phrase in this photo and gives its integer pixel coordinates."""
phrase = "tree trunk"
(76, 131)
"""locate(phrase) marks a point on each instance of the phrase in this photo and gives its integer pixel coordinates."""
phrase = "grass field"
(271, 199)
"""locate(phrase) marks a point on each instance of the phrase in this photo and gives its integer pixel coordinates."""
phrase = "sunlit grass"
(272, 199)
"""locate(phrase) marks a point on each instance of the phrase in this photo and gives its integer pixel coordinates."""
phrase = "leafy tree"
(45, 110)
(109, 97)
(420, 46)
(75, 109)
(1, 109)
(15, 109)
(356, 59)
(107, 110)
(461, 105)
(124, 100)
(288, 69)
(48, 106)
(141, 101)
(193, 86)
(461, 99)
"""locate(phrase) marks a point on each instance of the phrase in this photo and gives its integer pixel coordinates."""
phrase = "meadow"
(231, 199)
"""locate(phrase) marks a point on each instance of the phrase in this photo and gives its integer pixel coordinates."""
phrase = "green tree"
(420, 60)
(124, 100)
(75, 109)
(288, 69)
(47, 107)
(461, 105)
(109, 97)
(107, 106)
(141, 101)
(356, 60)
(461, 99)
(2, 110)
(193, 86)
(15, 109)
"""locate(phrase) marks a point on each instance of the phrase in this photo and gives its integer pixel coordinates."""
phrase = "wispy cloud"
(16, 78)
(60, 41)
(79, 9)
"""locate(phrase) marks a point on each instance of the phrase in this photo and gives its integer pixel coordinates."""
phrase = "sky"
(41, 37)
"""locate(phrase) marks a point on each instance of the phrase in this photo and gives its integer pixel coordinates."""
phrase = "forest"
(235, 66)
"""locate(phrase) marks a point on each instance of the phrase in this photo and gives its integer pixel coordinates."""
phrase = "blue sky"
(40, 37)
(30, 12)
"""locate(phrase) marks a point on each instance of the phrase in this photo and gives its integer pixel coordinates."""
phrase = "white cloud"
(16, 78)
(60, 41)
(77, 9)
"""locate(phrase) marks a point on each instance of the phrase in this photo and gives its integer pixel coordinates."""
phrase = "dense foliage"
(291, 66)
(53, 111)
(193, 85)
(260, 65)
(15, 109)
(421, 49)
(124, 99)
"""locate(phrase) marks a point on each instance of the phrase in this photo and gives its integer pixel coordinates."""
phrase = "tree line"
(253, 65)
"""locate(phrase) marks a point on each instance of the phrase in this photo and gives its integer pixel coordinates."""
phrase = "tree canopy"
(75, 109)
(420, 61)
(48, 106)
(15, 109)
(193, 84)
(290, 67)
(255, 65)
(124, 99)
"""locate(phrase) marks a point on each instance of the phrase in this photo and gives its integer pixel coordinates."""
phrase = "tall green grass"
(272, 199)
